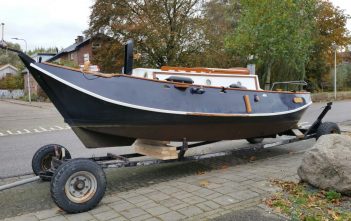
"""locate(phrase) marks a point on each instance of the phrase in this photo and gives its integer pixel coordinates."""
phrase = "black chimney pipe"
(128, 57)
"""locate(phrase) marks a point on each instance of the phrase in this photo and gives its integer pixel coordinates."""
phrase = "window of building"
(86, 57)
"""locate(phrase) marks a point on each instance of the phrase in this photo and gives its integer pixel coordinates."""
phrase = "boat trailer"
(84, 180)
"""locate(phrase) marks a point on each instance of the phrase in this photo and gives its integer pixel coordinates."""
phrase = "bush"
(12, 82)
(35, 97)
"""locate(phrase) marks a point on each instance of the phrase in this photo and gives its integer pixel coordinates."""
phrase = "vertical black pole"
(128, 57)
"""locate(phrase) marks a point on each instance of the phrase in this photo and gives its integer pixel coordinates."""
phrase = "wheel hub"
(80, 186)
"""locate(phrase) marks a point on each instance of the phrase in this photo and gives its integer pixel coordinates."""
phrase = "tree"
(165, 31)
(277, 34)
(42, 50)
(330, 23)
(8, 57)
(219, 18)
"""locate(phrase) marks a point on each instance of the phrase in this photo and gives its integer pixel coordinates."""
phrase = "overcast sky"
(47, 23)
(56, 23)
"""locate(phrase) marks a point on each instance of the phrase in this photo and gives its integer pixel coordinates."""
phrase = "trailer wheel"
(41, 160)
(78, 185)
(254, 140)
(327, 128)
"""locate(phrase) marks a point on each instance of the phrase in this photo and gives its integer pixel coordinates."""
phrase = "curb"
(22, 103)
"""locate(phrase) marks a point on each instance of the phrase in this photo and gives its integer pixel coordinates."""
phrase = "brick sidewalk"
(204, 196)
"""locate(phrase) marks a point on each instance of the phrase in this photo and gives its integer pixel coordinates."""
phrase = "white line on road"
(37, 131)
(9, 132)
(43, 129)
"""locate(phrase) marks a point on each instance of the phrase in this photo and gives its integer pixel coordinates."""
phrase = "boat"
(166, 104)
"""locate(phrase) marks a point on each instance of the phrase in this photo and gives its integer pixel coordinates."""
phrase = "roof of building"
(43, 53)
(69, 49)
(2, 67)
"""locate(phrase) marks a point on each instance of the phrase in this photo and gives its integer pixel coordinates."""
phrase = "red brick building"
(78, 53)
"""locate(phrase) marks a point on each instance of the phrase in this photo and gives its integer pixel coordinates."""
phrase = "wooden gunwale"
(168, 82)
(244, 71)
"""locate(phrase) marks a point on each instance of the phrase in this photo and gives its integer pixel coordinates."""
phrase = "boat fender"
(180, 79)
(237, 86)
(197, 90)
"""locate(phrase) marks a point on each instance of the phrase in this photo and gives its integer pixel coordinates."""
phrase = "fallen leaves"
(302, 202)
(224, 167)
(252, 158)
(200, 172)
(203, 183)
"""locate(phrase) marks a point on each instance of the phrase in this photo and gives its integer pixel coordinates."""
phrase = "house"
(7, 70)
(34, 87)
(82, 50)
(78, 53)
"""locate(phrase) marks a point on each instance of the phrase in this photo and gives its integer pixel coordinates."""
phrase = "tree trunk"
(267, 84)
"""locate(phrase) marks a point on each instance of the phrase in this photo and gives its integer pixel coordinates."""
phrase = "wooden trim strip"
(208, 70)
(202, 74)
(84, 72)
(247, 104)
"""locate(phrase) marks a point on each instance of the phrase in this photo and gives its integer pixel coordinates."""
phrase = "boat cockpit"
(229, 78)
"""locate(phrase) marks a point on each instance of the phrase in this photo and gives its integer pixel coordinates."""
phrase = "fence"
(14, 94)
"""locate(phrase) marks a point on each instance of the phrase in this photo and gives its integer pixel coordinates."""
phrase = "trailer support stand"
(318, 121)
(183, 149)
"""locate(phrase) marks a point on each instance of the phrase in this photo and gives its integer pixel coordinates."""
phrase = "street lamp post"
(28, 84)
(2, 36)
(335, 47)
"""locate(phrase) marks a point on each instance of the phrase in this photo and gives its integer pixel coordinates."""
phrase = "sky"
(56, 23)
(44, 23)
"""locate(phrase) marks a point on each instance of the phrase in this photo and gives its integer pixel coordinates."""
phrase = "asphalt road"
(23, 129)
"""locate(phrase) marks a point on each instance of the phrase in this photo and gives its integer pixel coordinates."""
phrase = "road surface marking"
(34, 130)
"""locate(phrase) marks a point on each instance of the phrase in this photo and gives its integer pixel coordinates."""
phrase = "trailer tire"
(254, 140)
(41, 160)
(78, 185)
(327, 128)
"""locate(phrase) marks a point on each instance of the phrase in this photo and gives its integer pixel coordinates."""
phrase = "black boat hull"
(100, 120)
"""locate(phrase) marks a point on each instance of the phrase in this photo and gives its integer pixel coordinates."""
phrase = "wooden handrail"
(244, 71)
